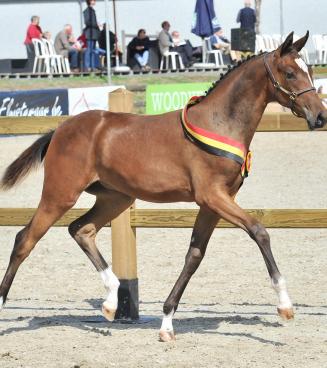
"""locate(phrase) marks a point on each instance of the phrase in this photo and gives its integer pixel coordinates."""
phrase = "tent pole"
(281, 26)
(108, 42)
(81, 15)
(116, 39)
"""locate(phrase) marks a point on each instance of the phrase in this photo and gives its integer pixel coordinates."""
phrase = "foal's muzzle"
(316, 122)
(321, 120)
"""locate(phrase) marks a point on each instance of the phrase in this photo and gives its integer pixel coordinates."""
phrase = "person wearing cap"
(219, 42)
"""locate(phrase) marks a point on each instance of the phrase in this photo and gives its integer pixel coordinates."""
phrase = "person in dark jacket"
(139, 49)
(246, 16)
(103, 42)
(92, 33)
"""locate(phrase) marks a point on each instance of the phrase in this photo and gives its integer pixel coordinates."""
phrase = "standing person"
(246, 16)
(92, 33)
(33, 31)
(66, 45)
(139, 49)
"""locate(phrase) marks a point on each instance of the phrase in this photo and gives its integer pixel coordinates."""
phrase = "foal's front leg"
(225, 206)
(203, 228)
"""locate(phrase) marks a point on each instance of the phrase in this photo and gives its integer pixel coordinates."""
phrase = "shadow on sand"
(98, 325)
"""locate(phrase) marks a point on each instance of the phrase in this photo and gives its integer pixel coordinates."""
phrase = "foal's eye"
(290, 75)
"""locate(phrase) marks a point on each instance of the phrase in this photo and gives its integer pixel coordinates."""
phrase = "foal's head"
(292, 82)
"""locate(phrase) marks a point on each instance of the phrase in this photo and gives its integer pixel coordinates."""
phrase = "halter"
(291, 94)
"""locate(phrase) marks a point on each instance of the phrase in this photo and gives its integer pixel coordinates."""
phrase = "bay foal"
(201, 157)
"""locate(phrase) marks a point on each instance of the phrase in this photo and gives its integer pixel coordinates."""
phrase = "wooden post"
(123, 236)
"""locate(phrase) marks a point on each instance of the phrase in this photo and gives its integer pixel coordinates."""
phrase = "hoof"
(286, 313)
(166, 336)
(108, 311)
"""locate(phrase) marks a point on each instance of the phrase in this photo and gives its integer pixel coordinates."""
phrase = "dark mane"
(229, 71)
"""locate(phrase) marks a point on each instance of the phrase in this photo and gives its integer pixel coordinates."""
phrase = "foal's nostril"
(321, 119)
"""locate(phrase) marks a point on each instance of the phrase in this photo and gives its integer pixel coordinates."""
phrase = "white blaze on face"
(1, 303)
(302, 65)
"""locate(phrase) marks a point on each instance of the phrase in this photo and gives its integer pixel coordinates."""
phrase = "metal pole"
(80, 15)
(106, 4)
(281, 25)
(116, 40)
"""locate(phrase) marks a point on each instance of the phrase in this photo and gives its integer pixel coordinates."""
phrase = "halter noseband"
(291, 94)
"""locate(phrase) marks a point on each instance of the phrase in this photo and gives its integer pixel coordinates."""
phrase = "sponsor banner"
(53, 102)
(92, 98)
(170, 97)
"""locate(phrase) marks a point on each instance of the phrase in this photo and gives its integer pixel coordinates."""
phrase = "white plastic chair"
(320, 45)
(218, 55)
(259, 44)
(171, 56)
(42, 57)
(57, 62)
(268, 42)
(277, 40)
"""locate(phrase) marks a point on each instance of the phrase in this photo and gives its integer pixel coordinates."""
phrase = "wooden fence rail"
(271, 122)
(181, 218)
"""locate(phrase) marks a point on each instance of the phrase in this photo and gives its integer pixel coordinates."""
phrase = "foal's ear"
(299, 44)
(286, 46)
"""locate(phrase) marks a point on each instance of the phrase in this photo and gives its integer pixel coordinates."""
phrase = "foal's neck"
(235, 106)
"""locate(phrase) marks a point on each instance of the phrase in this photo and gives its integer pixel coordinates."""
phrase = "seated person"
(165, 39)
(102, 50)
(219, 42)
(183, 47)
(66, 46)
(47, 35)
(82, 44)
(139, 49)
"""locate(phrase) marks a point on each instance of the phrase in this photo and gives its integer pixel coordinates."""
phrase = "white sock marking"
(1, 302)
(281, 290)
(111, 283)
(301, 63)
(167, 322)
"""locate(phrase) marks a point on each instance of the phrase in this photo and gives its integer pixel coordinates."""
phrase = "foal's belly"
(154, 187)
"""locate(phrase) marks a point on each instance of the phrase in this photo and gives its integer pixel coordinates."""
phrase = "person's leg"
(145, 57)
(30, 56)
(183, 55)
(73, 59)
(87, 55)
(93, 55)
(139, 59)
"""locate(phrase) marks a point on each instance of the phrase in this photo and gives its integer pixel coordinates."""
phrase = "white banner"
(91, 98)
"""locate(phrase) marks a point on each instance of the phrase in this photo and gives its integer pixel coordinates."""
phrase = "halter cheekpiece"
(291, 94)
(215, 144)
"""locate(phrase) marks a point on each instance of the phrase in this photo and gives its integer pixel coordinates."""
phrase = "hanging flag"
(205, 23)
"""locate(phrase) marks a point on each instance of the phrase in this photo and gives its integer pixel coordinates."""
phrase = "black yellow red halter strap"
(214, 143)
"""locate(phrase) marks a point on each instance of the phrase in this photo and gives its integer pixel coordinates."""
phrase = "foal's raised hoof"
(108, 311)
(166, 336)
(286, 313)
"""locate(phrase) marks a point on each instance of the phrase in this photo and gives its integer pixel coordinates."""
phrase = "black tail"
(27, 161)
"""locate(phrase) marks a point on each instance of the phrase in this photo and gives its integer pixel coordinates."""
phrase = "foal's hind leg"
(203, 228)
(108, 205)
(225, 206)
(48, 212)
